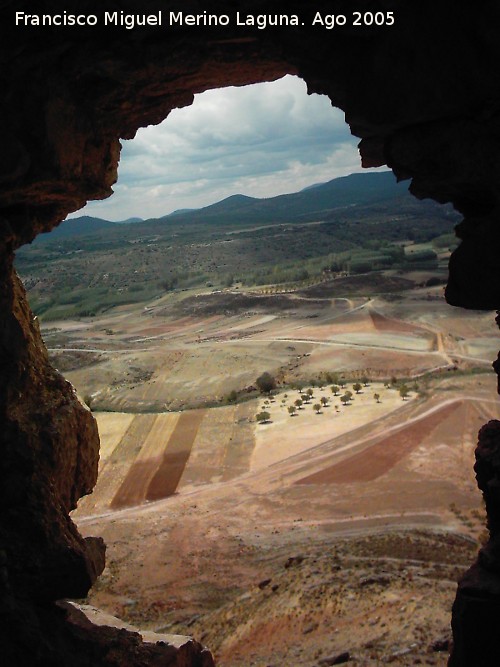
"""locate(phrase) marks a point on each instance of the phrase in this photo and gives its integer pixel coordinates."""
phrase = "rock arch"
(424, 98)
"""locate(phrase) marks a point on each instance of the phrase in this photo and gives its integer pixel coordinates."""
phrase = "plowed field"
(379, 458)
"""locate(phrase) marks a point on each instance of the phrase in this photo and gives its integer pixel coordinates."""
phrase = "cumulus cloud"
(260, 140)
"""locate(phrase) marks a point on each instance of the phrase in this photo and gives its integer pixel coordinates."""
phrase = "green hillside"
(356, 224)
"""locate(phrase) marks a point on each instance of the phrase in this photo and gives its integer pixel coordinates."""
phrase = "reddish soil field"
(135, 485)
(378, 459)
(177, 451)
(116, 468)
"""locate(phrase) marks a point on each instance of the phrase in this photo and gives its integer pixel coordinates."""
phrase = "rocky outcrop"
(477, 604)
(63, 635)
(49, 454)
(423, 96)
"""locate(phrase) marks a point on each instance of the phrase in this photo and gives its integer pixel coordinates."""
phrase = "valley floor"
(289, 542)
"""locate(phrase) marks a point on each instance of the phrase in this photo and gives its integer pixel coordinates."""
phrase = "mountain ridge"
(316, 202)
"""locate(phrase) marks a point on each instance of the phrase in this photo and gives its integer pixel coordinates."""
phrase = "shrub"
(266, 383)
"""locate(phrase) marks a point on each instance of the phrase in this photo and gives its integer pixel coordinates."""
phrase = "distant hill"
(310, 187)
(231, 204)
(83, 226)
(129, 221)
(313, 203)
(316, 203)
(181, 211)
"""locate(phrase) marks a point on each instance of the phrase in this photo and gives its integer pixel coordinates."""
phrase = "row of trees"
(266, 383)
(306, 396)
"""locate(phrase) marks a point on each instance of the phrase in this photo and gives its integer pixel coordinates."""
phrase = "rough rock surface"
(477, 603)
(423, 96)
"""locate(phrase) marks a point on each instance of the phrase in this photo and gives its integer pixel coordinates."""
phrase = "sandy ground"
(289, 542)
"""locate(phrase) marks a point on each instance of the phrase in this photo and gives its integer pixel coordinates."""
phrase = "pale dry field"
(286, 436)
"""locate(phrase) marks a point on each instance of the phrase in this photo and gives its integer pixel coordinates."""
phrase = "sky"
(261, 140)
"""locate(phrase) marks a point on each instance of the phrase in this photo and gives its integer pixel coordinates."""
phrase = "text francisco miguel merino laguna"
(130, 21)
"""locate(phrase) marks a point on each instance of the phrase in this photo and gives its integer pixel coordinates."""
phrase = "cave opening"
(62, 119)
(378, 484)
